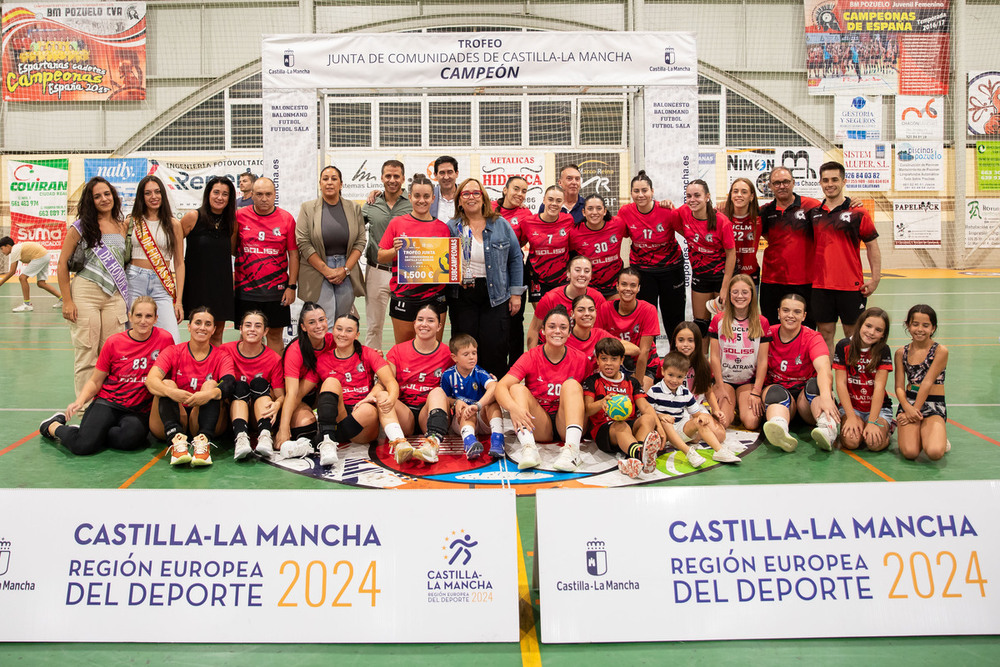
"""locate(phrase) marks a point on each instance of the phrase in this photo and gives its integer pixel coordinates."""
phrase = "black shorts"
(405, 310)
(652, 366)
(277, 315)
(415, 411)
(603, 437)
(706, 283)
(771, 295)
(829, 305)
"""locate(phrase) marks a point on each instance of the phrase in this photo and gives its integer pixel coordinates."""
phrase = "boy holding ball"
(637, 438)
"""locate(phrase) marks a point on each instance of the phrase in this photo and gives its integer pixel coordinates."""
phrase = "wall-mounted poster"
(984, 103)
(919, 117)
(916, 223)
(858, 117)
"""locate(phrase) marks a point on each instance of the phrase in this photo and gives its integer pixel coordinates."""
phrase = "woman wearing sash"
(95, 301)
(156, 243)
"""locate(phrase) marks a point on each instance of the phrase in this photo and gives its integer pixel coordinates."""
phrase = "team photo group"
(553, 326)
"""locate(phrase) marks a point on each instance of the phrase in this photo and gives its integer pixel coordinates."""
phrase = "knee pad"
(241, 391)
(777, 395)
(812, 389)
(327, 407)
(348, 428)
(259, 387)
(437, 423)
(307, 431)
(702, 326)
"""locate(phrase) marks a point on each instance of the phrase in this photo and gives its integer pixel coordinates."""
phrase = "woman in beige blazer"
(330, 233)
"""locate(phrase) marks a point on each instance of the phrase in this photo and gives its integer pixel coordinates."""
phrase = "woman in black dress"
(209, 232)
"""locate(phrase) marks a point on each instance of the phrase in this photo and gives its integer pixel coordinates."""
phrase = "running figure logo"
(597, 558)
(460, 546)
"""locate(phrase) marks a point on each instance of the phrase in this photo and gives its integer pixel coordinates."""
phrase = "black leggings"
(471, 313)
(208, 417)
(105, 424)
(665, 290)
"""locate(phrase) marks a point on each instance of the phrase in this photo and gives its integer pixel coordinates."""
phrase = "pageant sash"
(108, 261)
(155, 257)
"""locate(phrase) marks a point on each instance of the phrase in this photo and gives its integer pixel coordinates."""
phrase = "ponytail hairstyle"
(166, 216)
(710, 214)
(754, 329)
(854, 352)
(302, 339)
(142, 299)
(641, 176)
(502, 202)
(702, 371)
(607, 213)
(357, 324)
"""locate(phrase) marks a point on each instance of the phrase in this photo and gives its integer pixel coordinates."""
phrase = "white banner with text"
(258, 566)
(767, 562)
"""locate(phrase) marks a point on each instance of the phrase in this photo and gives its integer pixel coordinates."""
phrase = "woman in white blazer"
(330, 234)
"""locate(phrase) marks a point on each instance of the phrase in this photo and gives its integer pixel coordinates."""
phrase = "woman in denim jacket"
(493, 276)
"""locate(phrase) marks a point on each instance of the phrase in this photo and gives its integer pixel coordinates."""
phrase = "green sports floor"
(35, 375)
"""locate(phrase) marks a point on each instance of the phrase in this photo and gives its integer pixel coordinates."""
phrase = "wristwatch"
(292, 286)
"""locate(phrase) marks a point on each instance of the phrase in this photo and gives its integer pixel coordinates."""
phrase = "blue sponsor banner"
(123, 173)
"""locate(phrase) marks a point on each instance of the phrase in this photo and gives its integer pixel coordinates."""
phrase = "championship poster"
(877, 48)
(72, 52)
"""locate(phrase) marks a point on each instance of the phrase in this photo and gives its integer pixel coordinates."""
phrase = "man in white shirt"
(36, 260)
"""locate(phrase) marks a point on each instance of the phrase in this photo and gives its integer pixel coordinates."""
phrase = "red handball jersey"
(746, 233)
(127, 362)
(587, 346)
(407, 225)
(603, 247)
(860, 382)
(418, 373)
(838, 234)
(549, 249)
(788, 257)
(597, 386)
(737, 350)
(262, 247)
(356, 373)
(190, 374)
(513, 216)
(265, 365)
(654, 245)
(791, 364)
(707, 249)
(296, 368)
(558, 297)
(544, 379)
(643, 321)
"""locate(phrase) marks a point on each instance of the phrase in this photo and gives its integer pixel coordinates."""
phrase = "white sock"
(468, 430)
(573, 435)
(394, 432)
(496, 424)
(525, 437)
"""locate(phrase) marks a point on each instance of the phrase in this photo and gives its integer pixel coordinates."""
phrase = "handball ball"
(618, 407)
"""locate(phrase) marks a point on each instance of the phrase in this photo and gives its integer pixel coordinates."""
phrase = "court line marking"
(32, 409)
(868, 465)
(961, 426)
(530, 656)
(139, 473)
(975, 405)
(20, 442)
(932, 293)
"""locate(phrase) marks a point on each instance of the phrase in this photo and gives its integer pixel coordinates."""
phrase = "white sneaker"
(568, 459)
(735, 446)
(695, 459)
(947, 446)
(265, 445)
(825, 433)
(401, 450)
(58, 304)
(24, 308)
(327, 452)
(725, 456)
(776, 432)
(296, 449)
(529, 457)
(427, 451)
(631, 468)
(242, 448)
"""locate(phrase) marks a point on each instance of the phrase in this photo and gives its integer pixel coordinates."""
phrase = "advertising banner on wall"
(868, 165)
(367, 60)
(123, 173)
(74, 51)
(919, 117)
(984, 103)
(600, 174)
(982, 223)
(988, 165)
(753, 164)
(857, 117)
(919, 165)
(768, 562)
(886, 47)
(186, 181)
(916, 223)
(290, 126)
(804, 163)
(495, 169)
(38, 198)
(671, 138)
(345, 566)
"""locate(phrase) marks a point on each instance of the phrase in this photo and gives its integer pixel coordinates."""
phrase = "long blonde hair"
(754, 329)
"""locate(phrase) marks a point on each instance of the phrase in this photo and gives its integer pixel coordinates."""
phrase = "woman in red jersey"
(743, 212)
(578, 272)
(655, 252)
(550, 402)
(633, 321)
(189, 382)
(599, 237)
(118, 417)
(260, 386)
(547, 235)
(584, 335)
(418, 365)
(511, 207)
(408, 298)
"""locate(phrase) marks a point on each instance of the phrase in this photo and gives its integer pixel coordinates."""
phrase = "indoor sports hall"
(907, 97)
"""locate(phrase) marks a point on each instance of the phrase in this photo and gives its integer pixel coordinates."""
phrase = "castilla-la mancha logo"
(597, 558)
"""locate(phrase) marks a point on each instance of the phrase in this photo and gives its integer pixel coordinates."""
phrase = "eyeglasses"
(781, 183)
(472, 194)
